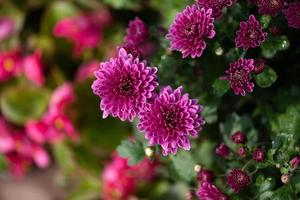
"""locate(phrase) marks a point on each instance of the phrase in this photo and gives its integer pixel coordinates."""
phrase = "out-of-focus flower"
(133, 50)
(242, 151)
(7, 28)
(137, 32)
(18, 164)
(205, 175)
(215, 5)
(292, 14)
(295, 162)
(259, 155)
(250, 34)
(84, 30)
(238, 180)
(87, 70)
(7, 143)
(240, 76)
(269, 7)
(9, 64)
(238, 137)
(33, 68)
(222, 150)
(120, 180)
(190, 29)
(259, 65)
(54, 124)
(208, 191)
(124, 84)
(171, 119)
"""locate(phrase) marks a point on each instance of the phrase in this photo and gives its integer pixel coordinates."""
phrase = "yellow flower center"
(59, 124)
(8, 65)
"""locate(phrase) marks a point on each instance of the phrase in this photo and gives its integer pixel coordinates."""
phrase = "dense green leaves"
(220, 87)
(22, 103)
(274, 44)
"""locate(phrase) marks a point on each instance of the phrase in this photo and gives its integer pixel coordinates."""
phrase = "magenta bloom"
(292, 14)
(259, 155)
(250, 34)
(9, 65)
(239, 76)
(242, 151)
(171, 119)
(295, 162)
(61, 96)
(238, 179)
(223, 150)
(208, 191)
(238, 137)
(7, 143)
(7, 28)
(190, 29)
(84, 30)
(87, 70)
(137, 32)
(269, 7)
(124, 84)
(120, 180)
(33, 68)
(215, 5)
(205, 175)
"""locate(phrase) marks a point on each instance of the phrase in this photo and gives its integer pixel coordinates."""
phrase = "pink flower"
(7, 143)
(238, 179)
(259, 155)
(18, 164)
(120, 180)
(170, 119)
(242, 151)
(62, 96)
(292, 14)
(9, 64)
(295, 162)
(240, 76)
(222, 150)
(7, 28)
(87, 70)
(250, 34)
(33, 68)
(238, 137)
(124, 84)
(190, 29)
(269, 7)
(84, 30)
(215, 5)
(137, 32)
(208, 191)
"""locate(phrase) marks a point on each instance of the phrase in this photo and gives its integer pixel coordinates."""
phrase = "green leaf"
(266, 78)
(265, 21)
(274, 44)
(20, 104)
(264, 184)
(184, 164)
(286, 192)
(220, 87)
(121, 4)
(134, 151)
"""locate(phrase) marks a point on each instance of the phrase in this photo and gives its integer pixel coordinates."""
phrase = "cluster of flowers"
(120, 180)
(196, 23)
(23, 146)
(126, 86)
(237, 179)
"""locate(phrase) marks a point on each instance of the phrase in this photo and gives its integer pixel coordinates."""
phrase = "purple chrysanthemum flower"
(269, 7)
(137, 32)
(190, 29)
(240, 76)
(250, 34)
(222, 150)
(292, 14)
(208, 191)
(215, 5)
(238, 137)
(238, 179)
(124, 85)
(242, 151)
(259, 155)
(205, 175)
(170, 119)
